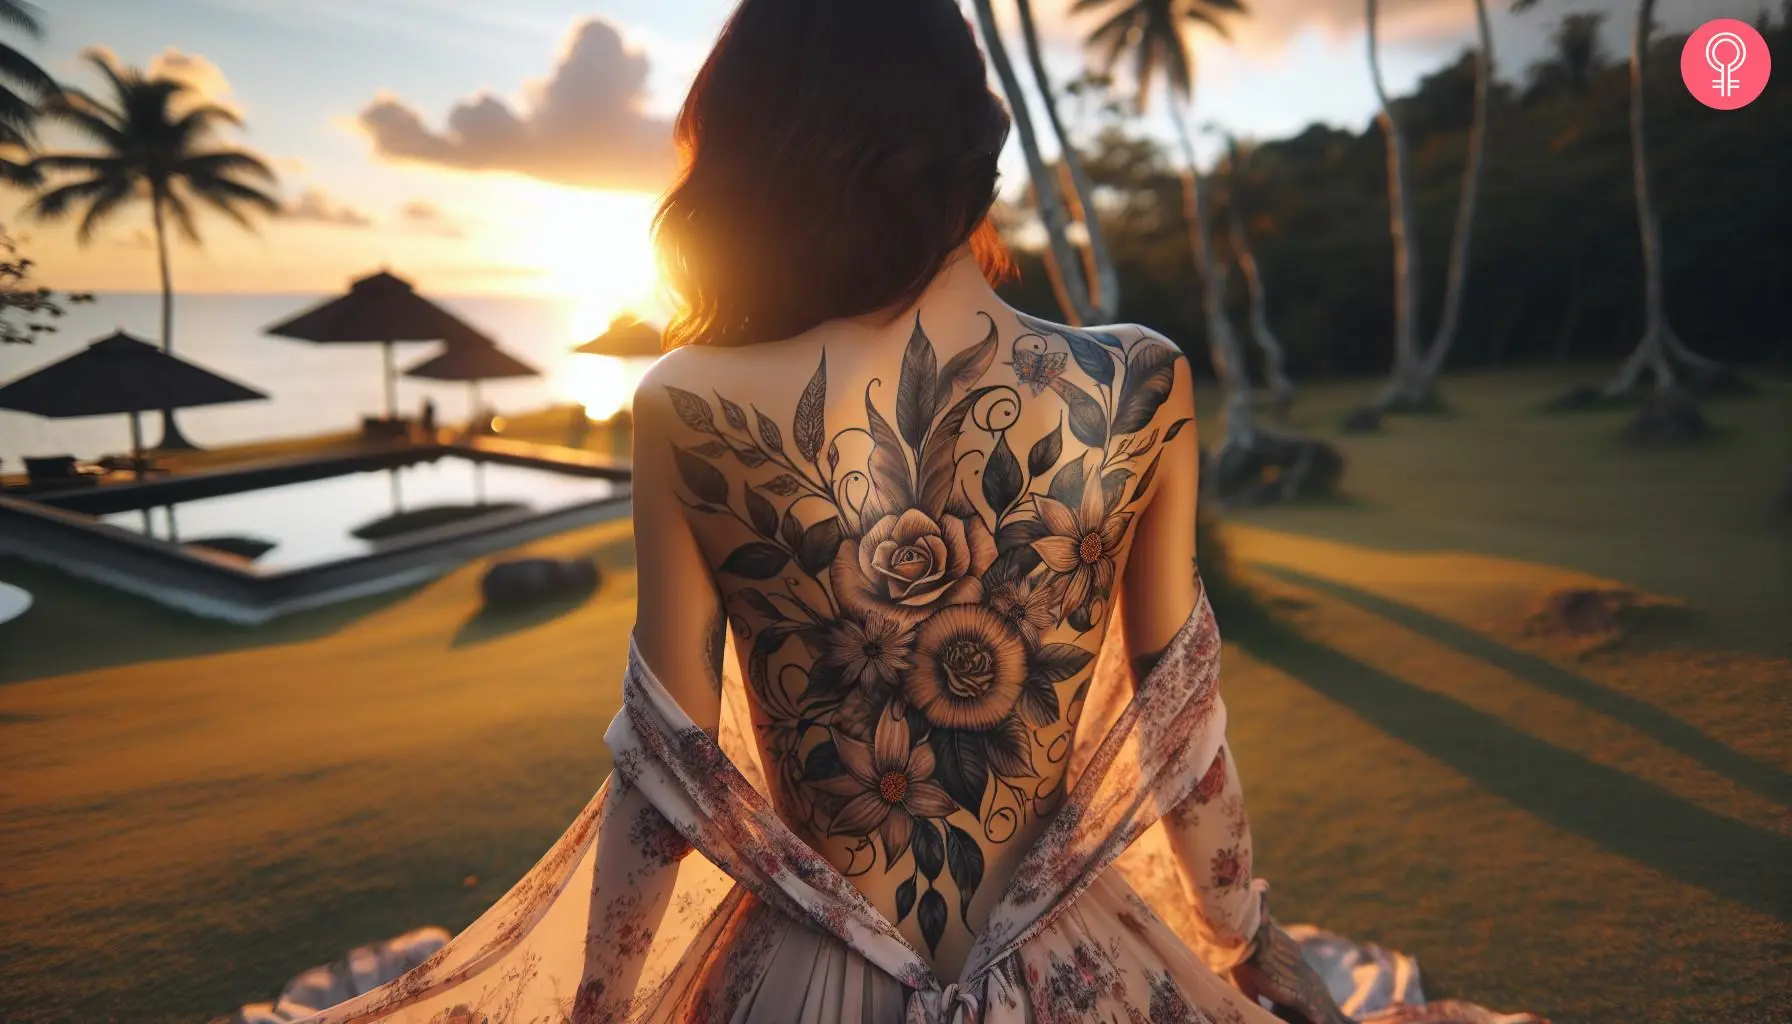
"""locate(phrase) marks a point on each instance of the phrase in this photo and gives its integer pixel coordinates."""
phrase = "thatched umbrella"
(627, 338)
(473, 361)
(381, 308)
(120, 374)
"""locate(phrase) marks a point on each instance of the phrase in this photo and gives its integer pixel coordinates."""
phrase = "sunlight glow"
(603, 385)
(594, 248)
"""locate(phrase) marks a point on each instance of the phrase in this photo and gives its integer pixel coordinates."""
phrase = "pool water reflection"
(313, 522)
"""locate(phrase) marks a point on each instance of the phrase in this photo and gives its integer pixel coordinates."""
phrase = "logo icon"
(1725, 64)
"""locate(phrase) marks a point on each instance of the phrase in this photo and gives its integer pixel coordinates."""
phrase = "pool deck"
(57, 529)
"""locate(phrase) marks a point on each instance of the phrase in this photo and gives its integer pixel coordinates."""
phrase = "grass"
(190, 813)
(1501, 478)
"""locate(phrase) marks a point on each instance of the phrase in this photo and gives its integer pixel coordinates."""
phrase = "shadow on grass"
(75, 626)
(613, 558)
(1625, 815)
(1546, 675)
(496, 623)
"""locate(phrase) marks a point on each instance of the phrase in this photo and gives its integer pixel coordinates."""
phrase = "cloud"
(585, 125)
(139, 239)
(427, 218)
(199, 73)
(316, 206)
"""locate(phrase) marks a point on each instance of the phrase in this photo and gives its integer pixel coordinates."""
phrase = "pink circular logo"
(1725, 64)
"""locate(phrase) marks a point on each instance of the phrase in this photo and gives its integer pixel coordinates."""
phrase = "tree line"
(1585, 208)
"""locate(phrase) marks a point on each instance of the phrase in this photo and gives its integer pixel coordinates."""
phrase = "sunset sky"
(517, 146)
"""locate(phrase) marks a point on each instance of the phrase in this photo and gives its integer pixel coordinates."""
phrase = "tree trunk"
(1659, 345)
(1408, 369)
(1222, 341)
(1104, 298)
(1075, 290)
(172, 438)
(1466, 209)
(1274, 360)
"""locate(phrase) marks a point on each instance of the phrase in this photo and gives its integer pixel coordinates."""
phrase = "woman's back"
(917, 532)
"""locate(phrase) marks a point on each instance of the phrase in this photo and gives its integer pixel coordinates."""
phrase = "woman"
(884, 756)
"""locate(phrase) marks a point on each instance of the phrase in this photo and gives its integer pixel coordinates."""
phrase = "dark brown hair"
(833, 155)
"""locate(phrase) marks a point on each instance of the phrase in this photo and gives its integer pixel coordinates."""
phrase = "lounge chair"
(61, 470)
(126, 464)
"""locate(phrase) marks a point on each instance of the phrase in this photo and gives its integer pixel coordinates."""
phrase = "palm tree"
(1152, 29)
(1068, 273)
(1403, 226)
(18, 115)
(1274, 360)
(1659, 342)
(1577, 52)
(1466, 208)
(1103, 278)
(153, 144)
(1659, 345)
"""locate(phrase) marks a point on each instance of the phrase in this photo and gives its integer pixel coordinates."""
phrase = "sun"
(595, 249)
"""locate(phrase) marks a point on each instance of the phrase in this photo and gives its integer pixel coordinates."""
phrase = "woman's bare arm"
(1160, 592)
(680, 624)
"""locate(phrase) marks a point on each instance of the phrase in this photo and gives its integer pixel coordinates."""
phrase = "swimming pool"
(251, 543)
(315, 522)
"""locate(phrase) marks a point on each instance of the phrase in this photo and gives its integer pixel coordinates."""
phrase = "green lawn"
(190, 813)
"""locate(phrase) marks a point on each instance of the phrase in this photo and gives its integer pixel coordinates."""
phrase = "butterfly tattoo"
(1034, 366)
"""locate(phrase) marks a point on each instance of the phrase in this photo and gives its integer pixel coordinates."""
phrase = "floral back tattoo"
(917, 597)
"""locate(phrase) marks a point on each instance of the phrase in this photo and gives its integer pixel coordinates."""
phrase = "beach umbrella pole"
(137, 444)
(391, 383)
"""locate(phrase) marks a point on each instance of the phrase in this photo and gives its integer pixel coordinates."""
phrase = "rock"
(1669, 416)
(527, 581)
(1277, 467)
(1366, 420)
(1581, 612)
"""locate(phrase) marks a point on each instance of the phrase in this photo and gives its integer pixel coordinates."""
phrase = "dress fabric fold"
(679, 895)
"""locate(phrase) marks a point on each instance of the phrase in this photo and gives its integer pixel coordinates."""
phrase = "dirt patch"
(1586, 619)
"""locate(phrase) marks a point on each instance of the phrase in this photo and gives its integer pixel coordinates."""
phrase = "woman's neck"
(958, 292)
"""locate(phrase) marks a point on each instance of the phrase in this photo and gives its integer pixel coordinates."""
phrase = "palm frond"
(1206, 17)
(56, 203)
(228, 196)
(102, 206)
(100, 165)
(205, 116)
(87, 116)
(121, 79)
(21, 175)
(16, 111)
(24, 71)
(182, 214)
(225, 163)
(1115, 32)
(22, 16)
(1179, 65)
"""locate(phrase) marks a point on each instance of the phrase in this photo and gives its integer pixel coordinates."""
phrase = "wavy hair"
(833, 155)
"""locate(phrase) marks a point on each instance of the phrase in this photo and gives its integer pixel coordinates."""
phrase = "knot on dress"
(953, 1004)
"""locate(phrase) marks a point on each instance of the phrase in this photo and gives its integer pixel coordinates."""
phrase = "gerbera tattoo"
(920, 615)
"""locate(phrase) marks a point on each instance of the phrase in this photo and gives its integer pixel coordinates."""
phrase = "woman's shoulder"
(1122, 337)
(680, 373)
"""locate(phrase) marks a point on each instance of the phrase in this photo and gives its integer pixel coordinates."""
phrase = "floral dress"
(679, 895)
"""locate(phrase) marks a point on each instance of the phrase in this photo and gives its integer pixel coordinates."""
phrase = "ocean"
(312, 388)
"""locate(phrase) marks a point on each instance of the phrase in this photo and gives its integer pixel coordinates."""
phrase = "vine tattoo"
(916, 596)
